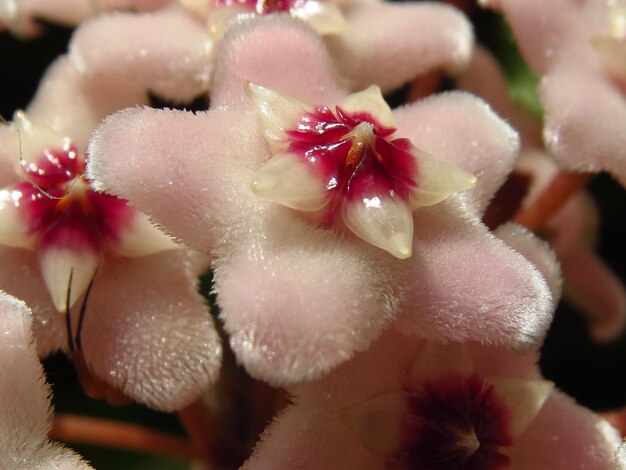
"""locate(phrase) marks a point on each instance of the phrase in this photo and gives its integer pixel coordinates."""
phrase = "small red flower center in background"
(344, 166)
(54, 211)
(263, 7)
(456, 423)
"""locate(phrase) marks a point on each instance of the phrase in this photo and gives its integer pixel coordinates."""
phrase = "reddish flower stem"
(199, 426)
(424, 85)
(558, 192)
(101, 432)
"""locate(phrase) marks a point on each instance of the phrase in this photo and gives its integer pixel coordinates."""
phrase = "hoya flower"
(172, 51)
(588, 282)
(299, 292)
(405, 404)
(25, 411)
(21, 16)
(140, 325)
(577, 46)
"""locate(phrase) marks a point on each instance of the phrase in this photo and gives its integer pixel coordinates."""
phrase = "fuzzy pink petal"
(537, 252)
(74, 107)
(25, 411)
(593, 287)
(304, 439)
(167, 52)
(485, 79)
(299, 300)
(465, 277)
(21, 277)
(461, 129)
(66, 12)
(565, 436)
(544, 29)
(408, 39)
(279, 53)
(187, 171)
(585, 131)
(149, 333)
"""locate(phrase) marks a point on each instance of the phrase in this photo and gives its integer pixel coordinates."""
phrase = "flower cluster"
(378, 263)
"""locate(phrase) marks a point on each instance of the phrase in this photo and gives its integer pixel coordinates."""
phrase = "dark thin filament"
(83, 311)
(68, 313)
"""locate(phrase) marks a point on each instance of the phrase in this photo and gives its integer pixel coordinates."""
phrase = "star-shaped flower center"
(344, 166)
(54, 211)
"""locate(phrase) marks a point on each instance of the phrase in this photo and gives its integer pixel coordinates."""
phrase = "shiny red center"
(263, 7)
(353, 168)
(59, 207)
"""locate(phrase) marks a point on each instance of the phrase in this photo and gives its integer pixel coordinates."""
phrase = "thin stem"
(424, 85)
(201, 432)
(558, 192)
(87, 430)
(68, 313)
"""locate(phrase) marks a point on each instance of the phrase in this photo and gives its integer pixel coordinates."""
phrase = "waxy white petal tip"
(369, 101)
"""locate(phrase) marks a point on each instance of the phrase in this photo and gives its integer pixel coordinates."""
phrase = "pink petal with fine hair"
(21, 277)
(304, 439)
(484, 78)
(464, 276)
(585, 131)
(166, 52)
(72, 106)
(295, 63)
(311, 297)
(154, 339)
(564, 436)
(66, 12)
(538, 252)
(545, 30)
(483, 144)
(25, 411)
(410, 39)
(189, 172)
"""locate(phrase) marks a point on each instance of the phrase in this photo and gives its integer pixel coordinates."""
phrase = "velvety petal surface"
(167, 52)
(21, 277)
(463, 130)
(154, 339)
(73, 106)
(565, 436)
(464, 276)
(538, 252)
(585, 131)
(295, 63)
(20, 15)
(25, 410)
(408, 38)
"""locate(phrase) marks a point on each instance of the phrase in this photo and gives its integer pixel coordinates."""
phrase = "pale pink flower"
(147, 332)
(172, 51)
(21, 16)
(25, 410)
(299, 296)
(579, 47)
(588, 282)
(406, 404)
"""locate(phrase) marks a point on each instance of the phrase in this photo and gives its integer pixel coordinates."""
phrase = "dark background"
(590, 372)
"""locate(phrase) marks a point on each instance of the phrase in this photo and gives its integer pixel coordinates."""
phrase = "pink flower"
(172, 51)
(25, 411)
(588, 281)
(405, 404)
(21, 16)
(146, 330)
(299, 297)
(576, 46)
